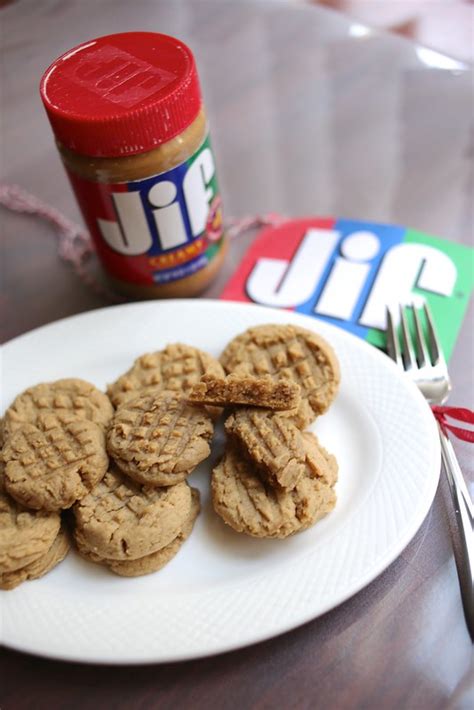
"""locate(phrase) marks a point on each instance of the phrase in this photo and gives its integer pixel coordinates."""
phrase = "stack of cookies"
(53, 455)
(136, 519)
(134, 530)
(132, 511)
(275, 479)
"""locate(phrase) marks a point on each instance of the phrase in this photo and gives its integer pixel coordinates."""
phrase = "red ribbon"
(458, 413)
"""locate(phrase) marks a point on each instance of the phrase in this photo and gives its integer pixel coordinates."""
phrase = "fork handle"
(463, 509)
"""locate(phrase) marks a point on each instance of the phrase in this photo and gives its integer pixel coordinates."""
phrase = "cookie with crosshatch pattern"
(158, 438)
(55, 462)
(40, 566)
(291, 353)
(148, 563)
(25, 535)
(121, 520)
(177, 367)
(271, 442)
(67, 397)
(245, 501)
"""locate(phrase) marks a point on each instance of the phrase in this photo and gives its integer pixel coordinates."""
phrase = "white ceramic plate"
(225, 590)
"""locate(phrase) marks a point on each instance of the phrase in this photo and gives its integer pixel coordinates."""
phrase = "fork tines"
(426, 353)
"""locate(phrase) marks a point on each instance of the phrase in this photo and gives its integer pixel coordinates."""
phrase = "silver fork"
(426, 366)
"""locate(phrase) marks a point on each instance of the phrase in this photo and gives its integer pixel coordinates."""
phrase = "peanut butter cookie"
(52, 464)
(320, 462)
(2, 463)
(25, 535)
(69, 396)
(120, 520)
(291, 353)
(248, 505)
(39, 567)
(158, 438)
(273, 443)
(178, 367)
(246, 390)
(149, 563)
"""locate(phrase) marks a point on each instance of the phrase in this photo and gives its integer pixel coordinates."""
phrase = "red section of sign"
(272, 243)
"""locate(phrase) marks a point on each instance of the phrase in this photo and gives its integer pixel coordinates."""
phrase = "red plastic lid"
(121, 94)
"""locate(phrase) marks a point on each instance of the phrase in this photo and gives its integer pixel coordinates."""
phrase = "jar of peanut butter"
(131, 128)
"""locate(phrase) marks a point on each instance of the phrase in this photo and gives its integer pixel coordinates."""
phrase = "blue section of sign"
(387, 236)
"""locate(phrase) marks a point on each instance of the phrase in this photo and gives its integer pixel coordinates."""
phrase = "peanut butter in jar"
(131, 128)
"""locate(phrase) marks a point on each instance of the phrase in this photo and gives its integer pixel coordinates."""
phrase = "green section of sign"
(448, 312)
(376, 337)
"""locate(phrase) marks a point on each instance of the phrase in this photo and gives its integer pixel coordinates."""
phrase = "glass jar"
(131, 129)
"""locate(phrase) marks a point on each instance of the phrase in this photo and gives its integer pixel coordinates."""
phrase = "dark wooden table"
(310, 115)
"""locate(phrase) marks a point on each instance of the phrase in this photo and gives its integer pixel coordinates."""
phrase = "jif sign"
(347, 272)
